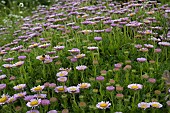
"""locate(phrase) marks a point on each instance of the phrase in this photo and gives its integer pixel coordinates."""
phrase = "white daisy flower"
(143, 105)
(103, 105)
(73, 89)
(84, 85)
(19, 87)
(156, 104)
(37, 89)
(34, 102)
(135, 86)
(62, 74)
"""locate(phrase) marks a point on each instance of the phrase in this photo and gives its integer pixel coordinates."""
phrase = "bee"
(43, 56)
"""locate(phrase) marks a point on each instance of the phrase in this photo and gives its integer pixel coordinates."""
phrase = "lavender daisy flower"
(98, 38)
(22, 57)
(84, 85)
(20, 95)
(148, 45)
(44, 45)
(73, 60)
(2, 86)
(8, 59)
(74, 51)
(52, 111)
(141, 59)
(45, 102)
(164, 43)
(60, 89)
(33, 111)
(81, 68)
(100, 78)
(29, 97)
(92, 48)
(80, 56)
(110, 88)
(62, 74)
(62, 79)
(8, 66)
(19, 87)
(18, 64)
(52, 85)
(138, 46)
(73, 89)
(59, 47)
(2, 77)
(41, 96)
(11, 99)
(48, 60)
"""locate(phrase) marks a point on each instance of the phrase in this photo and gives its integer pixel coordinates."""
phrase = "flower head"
(37, 89)
(45, 102)
(62, 79)
(8, 66)
(11, 99)
(2, 86)
(110, 88)
(20, 95)
(17, 64)
(62, 74)
(19, 87)
(103, 105)
(84, 85)
(135, 86)
(73, 89)
(60, 89)
(143, 105)
(141, 59)
(156, 104)
(52, 111)
(4, 99)
(34, 102)
(33, 111)
(2, 77)
(81, 68)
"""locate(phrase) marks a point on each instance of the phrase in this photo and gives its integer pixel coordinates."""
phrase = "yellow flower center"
(3, 99)
(83, 86)
(79, 56)
(34, 102)
(18, 63)
(103, 105)
(38, 88)
(61, 89)
(20, 95)
(73, 89)
(7, 67)
(143, 106)
(35, 45)
(155, 105)
(61, 26)
(19, 87)
(131, 14)
(134, 87)
(11, 100)
(61, 74)
(147, 32)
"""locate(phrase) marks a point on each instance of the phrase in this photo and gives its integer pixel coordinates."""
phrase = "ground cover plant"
(82, 56)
